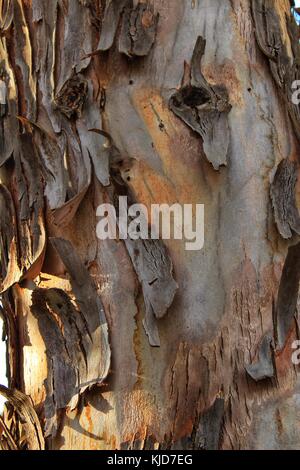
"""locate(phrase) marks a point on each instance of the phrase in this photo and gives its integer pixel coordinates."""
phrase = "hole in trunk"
(193, 96)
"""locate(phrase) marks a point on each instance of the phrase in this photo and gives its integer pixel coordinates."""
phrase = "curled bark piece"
(150, 325)
(285, 311)
(264, 367)
(93, 145)
(283, 198)
(8, 107)
(30, 422)
(29, 207)
(52, 166)
(293, 74)
(270, 39)
(76, 339)
(52, 163)
(7, 441)
(153, 266)
(45, 19)
(77, 40)
(138, 30)
(23, 51)
(63, 215)
(267, 27)
(63, 330)
(205, 110)
(150, 258)
(6, 15)
(287, 295)
(91, 139)
(113, 10)
(10, 270)
(25, 239)
(78, 182)
(89, 303)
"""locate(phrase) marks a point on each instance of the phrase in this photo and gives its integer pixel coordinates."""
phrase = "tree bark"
(147, 345)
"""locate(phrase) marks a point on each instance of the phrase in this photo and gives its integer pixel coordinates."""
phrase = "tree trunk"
(145, 345)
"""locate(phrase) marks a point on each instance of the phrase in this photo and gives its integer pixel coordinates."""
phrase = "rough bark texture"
(146, 345)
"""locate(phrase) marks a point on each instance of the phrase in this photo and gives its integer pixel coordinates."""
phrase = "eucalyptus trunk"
(143, 344)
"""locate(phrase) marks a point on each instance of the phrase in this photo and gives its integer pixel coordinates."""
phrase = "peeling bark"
(288, 295)
(154, 267)
(204, 108)
(22, 405)
(284, 200)
(76, 340)
(264, 367)
(138, 30)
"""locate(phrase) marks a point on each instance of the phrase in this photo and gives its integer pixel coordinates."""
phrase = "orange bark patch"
(225, 75)
(89, 418)
(147, 19)
(150, 187)
(180, 152)
(283, 358)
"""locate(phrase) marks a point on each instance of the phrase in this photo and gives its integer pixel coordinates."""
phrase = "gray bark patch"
(210, 426)
(110, 23)
(264, 367)
(138, 30)
(153, 267)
